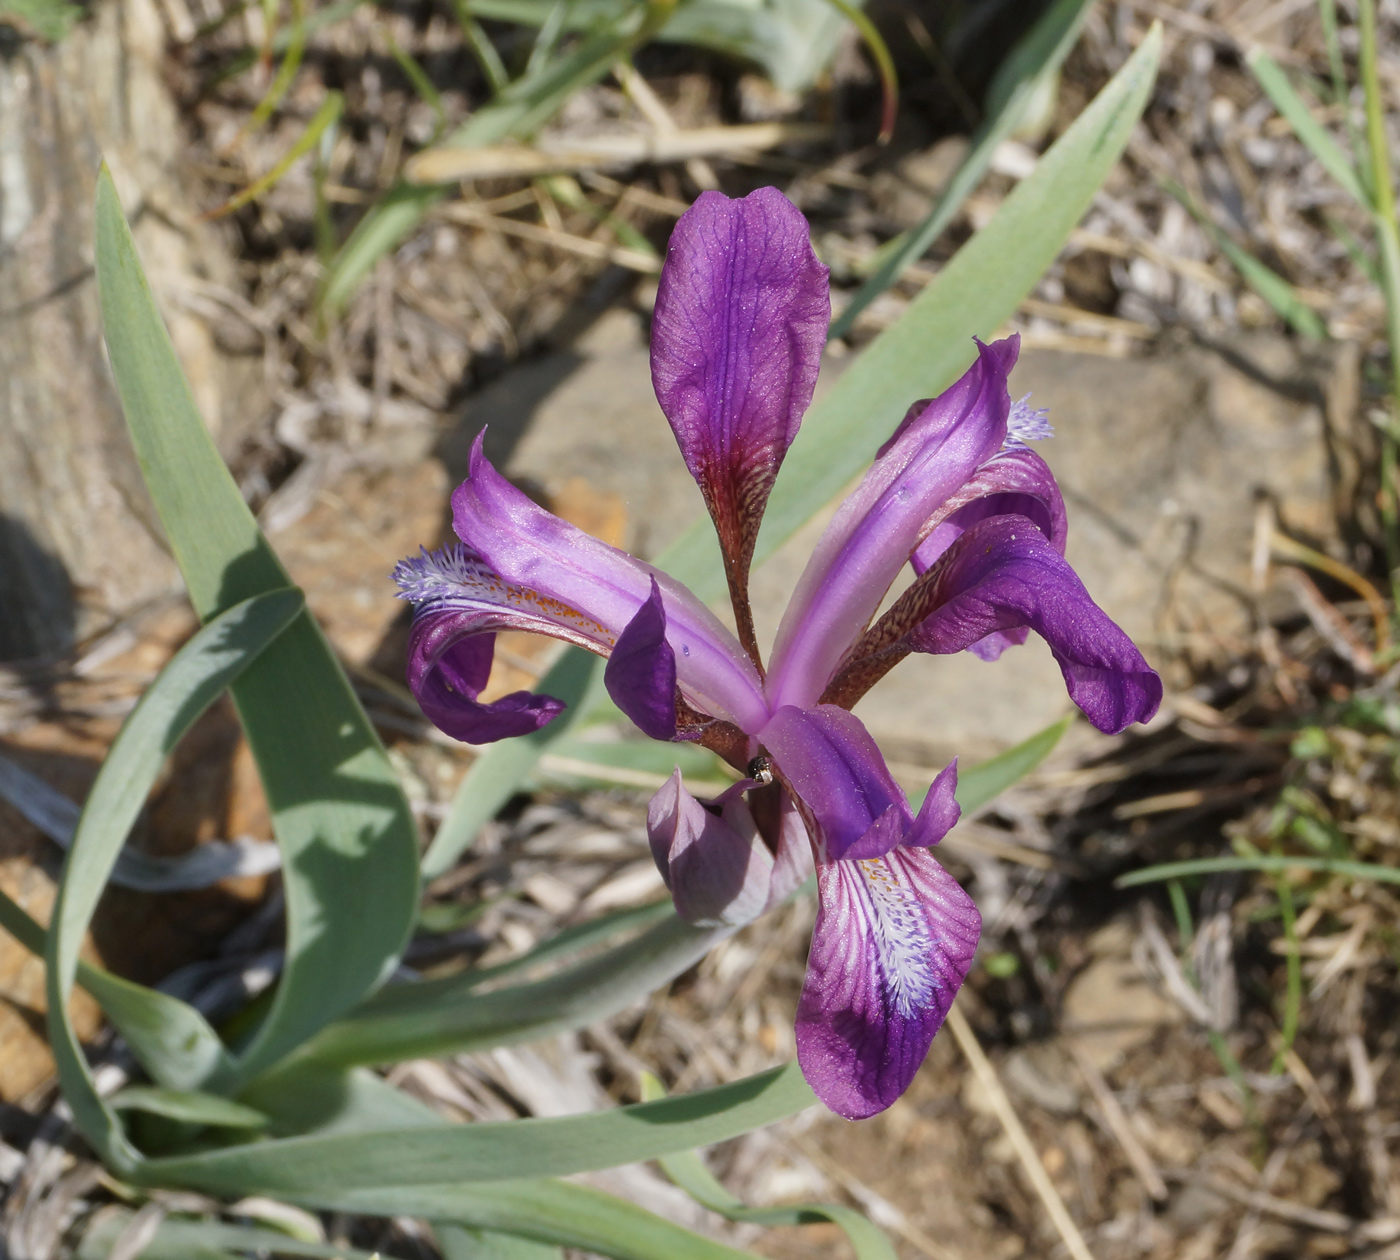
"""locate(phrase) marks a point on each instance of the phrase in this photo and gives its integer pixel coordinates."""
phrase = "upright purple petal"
(939, 812)
(598, 589)
(718, 869)
(932, 454)
(1003, 574)
(641, 672)
(737, 335)
(893, 942)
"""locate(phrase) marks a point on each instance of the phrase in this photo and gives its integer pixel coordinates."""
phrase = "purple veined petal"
(833, 766)
(458, 605)
(565, 569)
(990, 648)
(893, 942)
(793, 863)
(641, 672)
(1015, 482)
(1000, 575)
(932, 454)
(741, 315)
(719, 871)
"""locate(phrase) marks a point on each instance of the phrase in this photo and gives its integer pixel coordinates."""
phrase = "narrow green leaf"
(1264, 280)
(447, 1016)
(1271, 863)
(981, 784)
(306, 1099)
(190, 682)
(459, 1242)
(208, 1240)
(498, 771)
(348, 840)
(192, 1106)
(689, 1172)
(557, 1212)
(1305, 126)
(304, 1166)
(1040, 52)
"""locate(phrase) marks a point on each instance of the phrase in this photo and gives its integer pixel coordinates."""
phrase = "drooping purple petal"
(737, 334)
(932, 454)
(718, 869)
(1003, 574)
(458, 603)
(894, 939)
(641, 672)
(856, 809)
(595, 590)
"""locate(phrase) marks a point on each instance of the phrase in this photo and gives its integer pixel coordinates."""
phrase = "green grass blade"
(198, 1239)
(498, 1151)
(458, 1242)
(349, 843)
(447, 1016)
(556, 1212)
(495, 776)
(193, 680)
(1042, 50)
(688, 1171)
(190, 1106)
(1270, 863)
(1260, 277)
(1305, 126)
(981, 784)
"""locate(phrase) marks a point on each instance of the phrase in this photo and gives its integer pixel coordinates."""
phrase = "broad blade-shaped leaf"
(188, 685)
(347, 836)
(306, 1166)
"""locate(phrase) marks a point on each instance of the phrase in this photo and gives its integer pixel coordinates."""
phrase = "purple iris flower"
(740, 322)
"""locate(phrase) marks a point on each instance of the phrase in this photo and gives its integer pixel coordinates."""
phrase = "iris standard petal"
(1003, 574)
(641, 672)
(582, 578)
(718, 869)
(893, 941)
(741, 314)
(874, 532)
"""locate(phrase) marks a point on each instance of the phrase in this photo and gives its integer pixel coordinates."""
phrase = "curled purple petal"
(1003, 574)
(718, 869)
(447, 668)
(893, 942)
(641, 672)
(595, 590)
(932, 454)
(737, 334)
(939, 812)
(835, 769)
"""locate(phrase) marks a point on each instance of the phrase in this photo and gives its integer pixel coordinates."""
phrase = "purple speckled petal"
(718, 869)
(932, 454)
(595, 590)
(894, 939)
(641, 672)
(1003, 573)
(447, 668)
(737, 334)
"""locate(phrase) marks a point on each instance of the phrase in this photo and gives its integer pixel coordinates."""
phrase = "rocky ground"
(1144, 1066)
